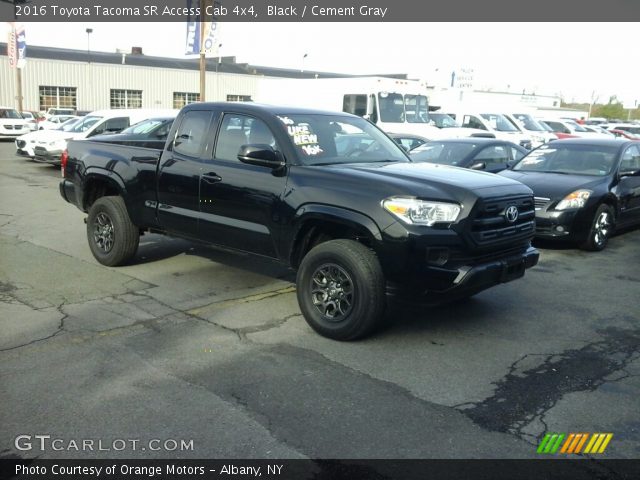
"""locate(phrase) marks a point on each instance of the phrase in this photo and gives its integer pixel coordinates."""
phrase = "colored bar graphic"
(607, 439)
(543, 442)
(597, 443)
(584, 439)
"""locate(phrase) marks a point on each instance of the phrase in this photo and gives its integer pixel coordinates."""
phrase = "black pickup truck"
(328, 194)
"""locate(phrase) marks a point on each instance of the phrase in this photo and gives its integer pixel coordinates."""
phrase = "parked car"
(49, 149)
(633, 129)
(25, 144)
(408, 141)
(528, 125)
(54, 121)
(453, 129)
(33, 119)
(12, 124)
(356, 225)
(623, 134)
(150, 133)
(494, 123)
(565, 128)
(487, 154)
(584, 188)
(597, 129)
(59, 111)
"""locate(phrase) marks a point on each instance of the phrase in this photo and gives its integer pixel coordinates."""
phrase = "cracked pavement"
(192, 342)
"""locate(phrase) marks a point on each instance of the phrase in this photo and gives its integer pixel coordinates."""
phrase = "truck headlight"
(422, 212)
(577, 199)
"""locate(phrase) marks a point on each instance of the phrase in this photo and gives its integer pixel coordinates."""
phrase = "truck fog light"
(437, 256)
(560, 229)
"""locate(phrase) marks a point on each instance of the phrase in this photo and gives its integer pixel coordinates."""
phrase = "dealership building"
(88, 81)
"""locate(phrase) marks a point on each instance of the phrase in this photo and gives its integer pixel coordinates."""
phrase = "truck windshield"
(499, 122)
(398, 108)
(336, 139)
(416, 108)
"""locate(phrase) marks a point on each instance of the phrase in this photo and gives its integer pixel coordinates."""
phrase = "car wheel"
(601, 229)
(341, 290)
(113, 238)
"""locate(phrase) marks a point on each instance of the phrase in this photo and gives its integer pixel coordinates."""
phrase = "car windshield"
(442, 120)
(447, 153)
(544, 126)
(576, 126)
(336, 139)
(576, 159)
(69, 124)
(145, 126)
(529, 122)
(499, 122)
(9, 113)
(84, 124)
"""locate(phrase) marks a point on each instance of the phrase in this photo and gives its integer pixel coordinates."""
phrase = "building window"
(180, 99)
(238, 98)
(126, 98)
(57, 97)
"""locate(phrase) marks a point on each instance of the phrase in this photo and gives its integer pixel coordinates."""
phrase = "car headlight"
(577, 199)
(422, 212)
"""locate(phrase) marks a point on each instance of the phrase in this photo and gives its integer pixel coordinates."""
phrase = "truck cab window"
(238, 130)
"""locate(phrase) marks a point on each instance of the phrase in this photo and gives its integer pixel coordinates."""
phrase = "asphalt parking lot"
(198, 344)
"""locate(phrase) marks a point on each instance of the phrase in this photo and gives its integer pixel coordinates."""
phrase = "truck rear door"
(181, 166)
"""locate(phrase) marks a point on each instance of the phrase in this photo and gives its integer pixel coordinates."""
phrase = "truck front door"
(239, 202)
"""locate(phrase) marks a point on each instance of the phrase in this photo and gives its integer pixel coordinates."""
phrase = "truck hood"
(426, 180)
(553, 185)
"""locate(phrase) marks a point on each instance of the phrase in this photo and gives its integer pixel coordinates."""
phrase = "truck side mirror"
(261, 155)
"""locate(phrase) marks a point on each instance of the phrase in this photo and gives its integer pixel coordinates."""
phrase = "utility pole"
(203, 60)
(19, 81)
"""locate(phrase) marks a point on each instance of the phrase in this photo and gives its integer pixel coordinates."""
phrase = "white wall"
(94, 82)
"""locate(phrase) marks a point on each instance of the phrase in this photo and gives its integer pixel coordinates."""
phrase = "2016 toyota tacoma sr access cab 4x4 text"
(328, 194)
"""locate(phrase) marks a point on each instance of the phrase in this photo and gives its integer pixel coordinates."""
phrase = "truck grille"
(540, 202)
(491, 225)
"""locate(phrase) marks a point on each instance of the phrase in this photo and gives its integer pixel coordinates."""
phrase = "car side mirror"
(478, 166)
(261, 155)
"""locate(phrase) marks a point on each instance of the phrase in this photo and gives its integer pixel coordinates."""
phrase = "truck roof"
(251, 107)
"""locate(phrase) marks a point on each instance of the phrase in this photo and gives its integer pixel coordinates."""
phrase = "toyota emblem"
(511, 213)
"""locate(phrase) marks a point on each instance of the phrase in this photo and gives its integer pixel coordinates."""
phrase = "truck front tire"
(113, 238)
(341, 290)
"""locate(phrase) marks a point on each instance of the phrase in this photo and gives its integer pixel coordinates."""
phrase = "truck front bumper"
(437, 284)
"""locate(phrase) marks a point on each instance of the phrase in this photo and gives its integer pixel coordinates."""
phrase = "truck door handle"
(211, 177)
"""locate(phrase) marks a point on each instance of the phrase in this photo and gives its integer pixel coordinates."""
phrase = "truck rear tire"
(113, 238)
(341, 290)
